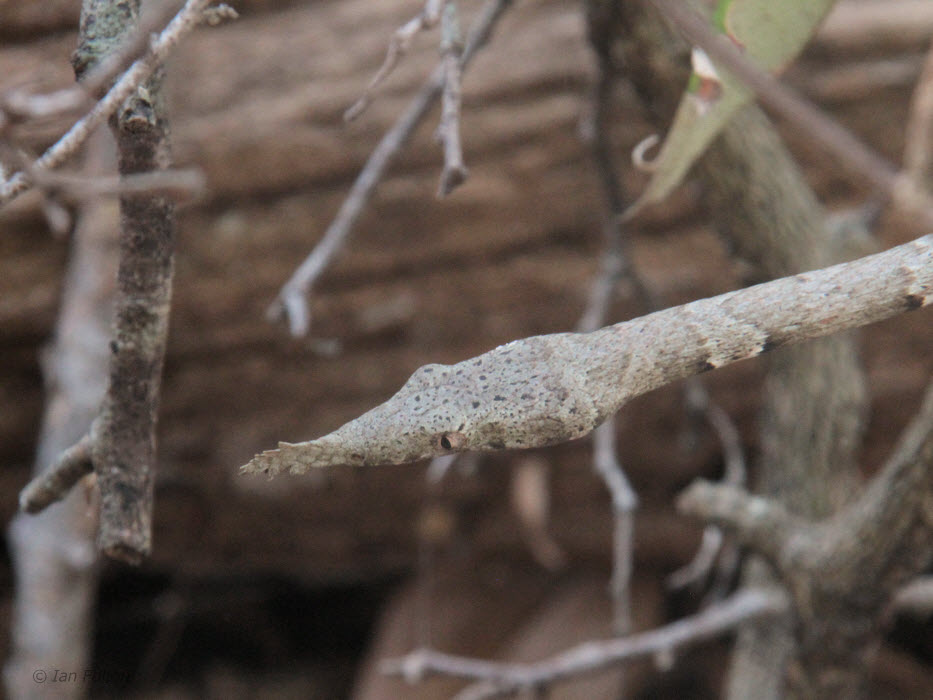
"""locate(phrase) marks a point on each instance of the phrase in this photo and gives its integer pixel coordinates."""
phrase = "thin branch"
(398, 47)
(617, 265)
(188, 17)
(54, 558)
(531, 503)
(699, 568)
(624, 505)
(123, 435)
(918, 135)
(763, 524)
(56, 482)
(508, 679)
(169, 182)
(614, 266)
(19, 104)
(454, 172)
(735, 473)
(292, 298)
(822, 130)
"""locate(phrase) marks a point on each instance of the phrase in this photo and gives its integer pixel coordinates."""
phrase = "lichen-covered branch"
(548, 389)
(121, 443)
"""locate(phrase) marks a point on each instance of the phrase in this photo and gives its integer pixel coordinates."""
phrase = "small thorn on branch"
(57, 481)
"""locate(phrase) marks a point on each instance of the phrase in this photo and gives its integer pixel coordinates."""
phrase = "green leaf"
(773, 34)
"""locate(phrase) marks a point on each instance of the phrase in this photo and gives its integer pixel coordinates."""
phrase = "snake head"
(515, 396)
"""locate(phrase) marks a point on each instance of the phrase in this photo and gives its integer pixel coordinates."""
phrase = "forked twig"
(187, 18)
(292, 302)
(398, 47)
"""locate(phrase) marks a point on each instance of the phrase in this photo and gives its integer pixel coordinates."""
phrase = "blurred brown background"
(291, 587)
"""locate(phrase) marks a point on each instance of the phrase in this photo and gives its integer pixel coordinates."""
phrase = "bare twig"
(624, 504)
(889, 24)
(19, 104)
(531, 502)
(735, 475)
(292, 298)
(188, 17)
(54, 484)
(858, 80)
(398, 47)
(918, 135)
(699, 568)
(824, 131)
(168, 182)
(506, 679)
(762, 523)
(615, 265)
(455, 171)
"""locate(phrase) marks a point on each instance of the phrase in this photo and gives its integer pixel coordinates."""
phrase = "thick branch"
(885, 534)
(123, 436)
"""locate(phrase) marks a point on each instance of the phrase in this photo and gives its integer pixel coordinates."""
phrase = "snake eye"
(452, 440)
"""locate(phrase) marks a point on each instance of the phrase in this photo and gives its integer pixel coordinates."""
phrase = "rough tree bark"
(815, 397)
(123, 436)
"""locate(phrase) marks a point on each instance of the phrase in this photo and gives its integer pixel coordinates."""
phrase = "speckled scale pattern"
(552, 388)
